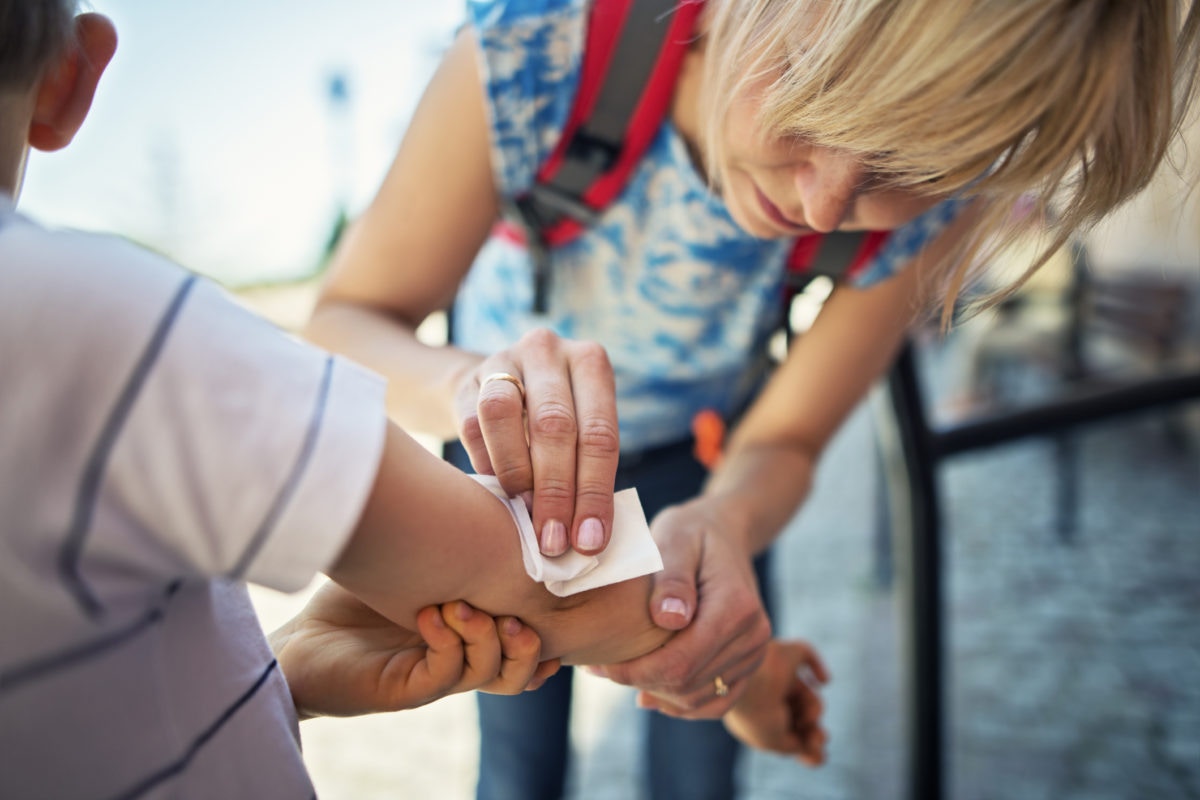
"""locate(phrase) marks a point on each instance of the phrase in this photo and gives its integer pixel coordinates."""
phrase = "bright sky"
(214, 137)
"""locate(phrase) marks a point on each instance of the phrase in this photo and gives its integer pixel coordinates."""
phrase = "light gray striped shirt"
(159, 447)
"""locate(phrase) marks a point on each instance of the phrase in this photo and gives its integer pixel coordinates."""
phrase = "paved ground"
(1073, 668)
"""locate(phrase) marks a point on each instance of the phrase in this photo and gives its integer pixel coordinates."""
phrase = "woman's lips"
(775, 215)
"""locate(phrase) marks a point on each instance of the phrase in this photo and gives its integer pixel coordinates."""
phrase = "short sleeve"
(246, 453)
(156, 430)
(529, 58)
(906, 241)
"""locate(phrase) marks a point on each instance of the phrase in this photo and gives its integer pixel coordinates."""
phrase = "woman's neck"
(685, 105)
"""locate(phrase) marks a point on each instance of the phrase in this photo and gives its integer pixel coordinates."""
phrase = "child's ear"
(65, 92)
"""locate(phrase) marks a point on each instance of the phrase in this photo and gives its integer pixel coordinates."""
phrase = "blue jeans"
(524, 739)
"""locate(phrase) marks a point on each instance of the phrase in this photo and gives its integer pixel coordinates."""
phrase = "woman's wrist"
(757, 490)
(730, 517)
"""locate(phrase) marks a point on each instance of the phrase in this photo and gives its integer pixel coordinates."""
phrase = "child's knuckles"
(522, 646)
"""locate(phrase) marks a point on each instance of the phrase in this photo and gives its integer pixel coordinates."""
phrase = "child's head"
(36, 32)
(1075, 101)
(49, 67)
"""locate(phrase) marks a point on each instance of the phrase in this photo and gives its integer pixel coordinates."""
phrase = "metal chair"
(1108, 326)
(913, 450)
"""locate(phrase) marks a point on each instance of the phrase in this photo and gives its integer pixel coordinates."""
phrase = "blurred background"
(233, 135)
(237, 137)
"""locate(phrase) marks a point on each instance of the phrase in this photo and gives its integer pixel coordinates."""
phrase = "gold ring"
(504, 376)
(720, 686)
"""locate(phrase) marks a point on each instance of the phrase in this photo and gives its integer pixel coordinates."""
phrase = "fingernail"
(512, 626)
(463, 612)
(591, 534)
(597, 671)
(673, 605)
(554, 538)
(438, 622)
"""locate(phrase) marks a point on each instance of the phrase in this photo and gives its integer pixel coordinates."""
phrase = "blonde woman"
(926, 118)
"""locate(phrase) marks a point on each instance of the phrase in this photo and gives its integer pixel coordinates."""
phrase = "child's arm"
(430, 534)
(781, 709)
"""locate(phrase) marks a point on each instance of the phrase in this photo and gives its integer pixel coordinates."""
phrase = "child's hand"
(781, 708)
(511, 667)
(342, 658)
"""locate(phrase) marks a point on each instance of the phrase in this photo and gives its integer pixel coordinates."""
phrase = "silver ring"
(720, 686)
(504, 376)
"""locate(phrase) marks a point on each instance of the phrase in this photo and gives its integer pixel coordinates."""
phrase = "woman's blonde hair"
(1071, 102)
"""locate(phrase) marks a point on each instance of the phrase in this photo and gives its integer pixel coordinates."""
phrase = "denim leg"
(524, 742)
(696, 760)
(685, 760)
(524, 739)
(689, 760)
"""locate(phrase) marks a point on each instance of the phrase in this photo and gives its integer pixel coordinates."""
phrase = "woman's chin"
(756, 227)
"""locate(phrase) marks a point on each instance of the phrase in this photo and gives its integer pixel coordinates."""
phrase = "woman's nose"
(828, 183)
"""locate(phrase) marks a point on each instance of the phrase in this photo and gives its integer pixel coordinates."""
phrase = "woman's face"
(783, 186)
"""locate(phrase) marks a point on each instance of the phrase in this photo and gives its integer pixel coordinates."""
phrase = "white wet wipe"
(631, 551)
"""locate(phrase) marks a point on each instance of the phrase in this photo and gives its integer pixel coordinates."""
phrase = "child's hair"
(34, 33)
(1072, 101)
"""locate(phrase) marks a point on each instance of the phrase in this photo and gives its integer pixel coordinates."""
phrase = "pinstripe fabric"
(158, 439)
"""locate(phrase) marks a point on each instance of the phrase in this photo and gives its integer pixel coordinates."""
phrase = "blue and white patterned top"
(682, 299)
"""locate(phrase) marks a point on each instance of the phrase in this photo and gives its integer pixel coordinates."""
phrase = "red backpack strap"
(632, 56)
(840, 255)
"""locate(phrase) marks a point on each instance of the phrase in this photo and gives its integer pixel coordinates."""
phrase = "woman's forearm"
(421, 378)
(770, 461)
(761, 485)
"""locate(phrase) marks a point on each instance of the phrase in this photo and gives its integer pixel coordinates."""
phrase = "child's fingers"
(442, 668)
(812, 749)
(811, 659)
(481, 644)
(806, 705)
(519, 648)
(544, 671)
(434, 631)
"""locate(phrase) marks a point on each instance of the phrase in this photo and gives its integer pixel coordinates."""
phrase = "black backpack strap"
(838, 256)
(631, 59)
(594, 145)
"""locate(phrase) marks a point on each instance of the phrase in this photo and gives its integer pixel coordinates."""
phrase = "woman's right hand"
(542, 417)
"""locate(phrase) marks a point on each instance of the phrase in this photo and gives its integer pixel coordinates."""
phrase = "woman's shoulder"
(501, 12)
(530, 53)
(537, 39)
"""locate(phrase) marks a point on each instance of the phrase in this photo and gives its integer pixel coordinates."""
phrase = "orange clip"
(708, 429)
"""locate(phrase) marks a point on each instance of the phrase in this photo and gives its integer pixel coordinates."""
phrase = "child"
(924, 118)
(162, 447)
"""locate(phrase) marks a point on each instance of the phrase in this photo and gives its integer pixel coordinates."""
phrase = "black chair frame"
(913, 450)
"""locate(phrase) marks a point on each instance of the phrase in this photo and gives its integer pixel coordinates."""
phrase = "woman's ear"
(65, 92)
